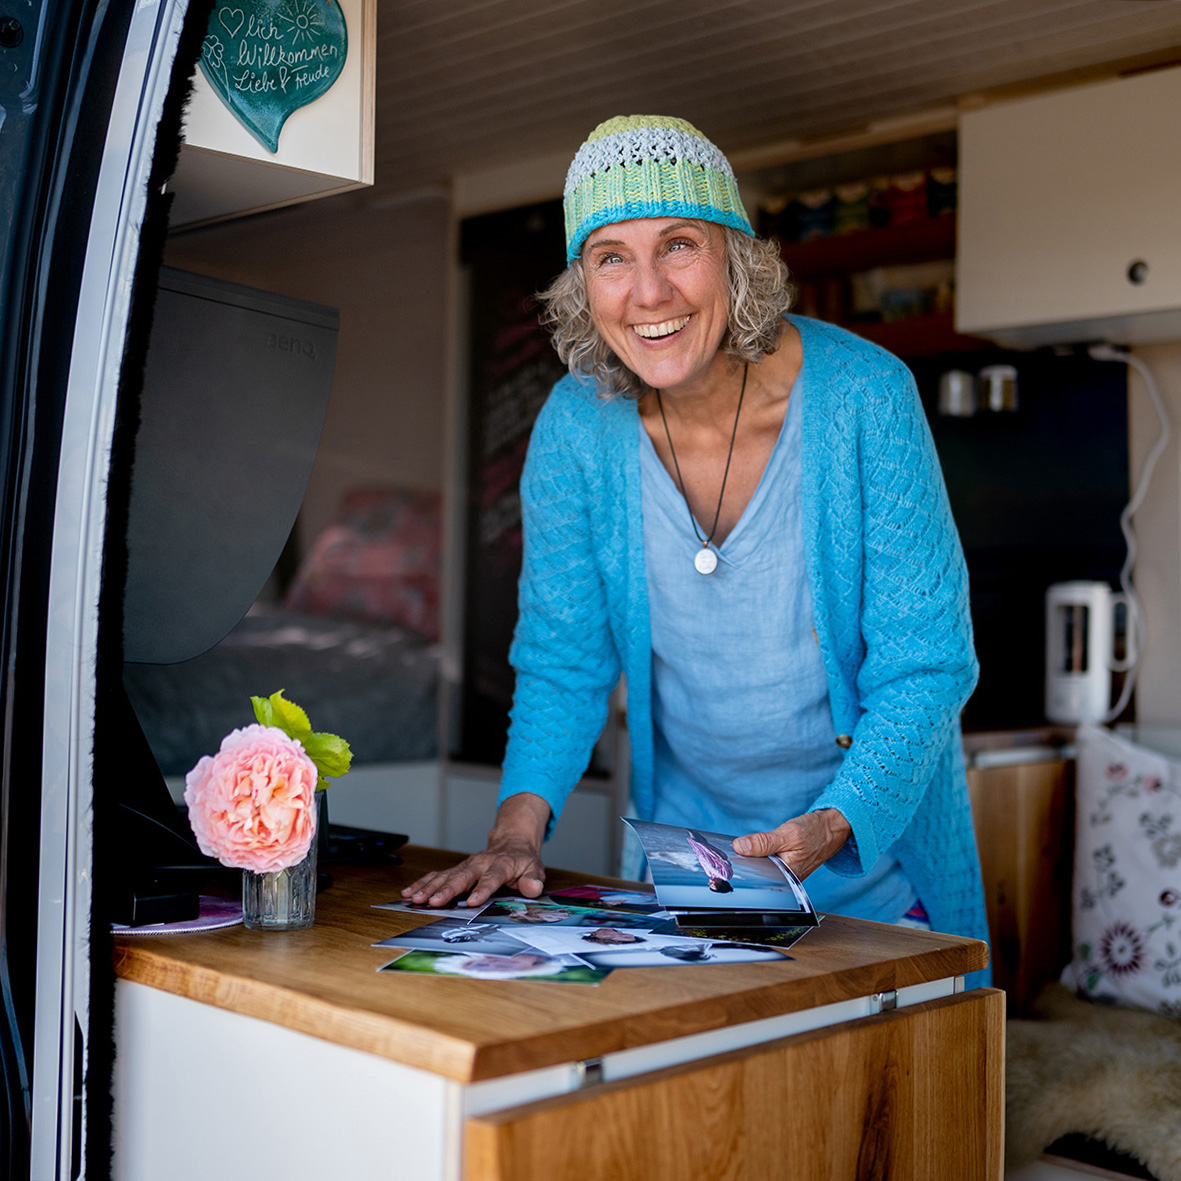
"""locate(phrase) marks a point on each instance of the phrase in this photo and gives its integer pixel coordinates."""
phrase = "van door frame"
(116, 218)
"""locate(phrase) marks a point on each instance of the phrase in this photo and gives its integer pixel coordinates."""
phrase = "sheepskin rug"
(1110, 1073)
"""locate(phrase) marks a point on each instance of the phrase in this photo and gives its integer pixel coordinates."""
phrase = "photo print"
(525, 965)
(541, 913)
(695, 870)
(770, 937)
(608, 898)
(682, 952)
(615, 948)
(578, 940)
(449, 934)
(457, 906)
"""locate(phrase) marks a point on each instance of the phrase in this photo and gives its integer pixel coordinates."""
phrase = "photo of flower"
(606, 898)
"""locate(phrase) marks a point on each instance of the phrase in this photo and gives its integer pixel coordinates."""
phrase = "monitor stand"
(159, 871)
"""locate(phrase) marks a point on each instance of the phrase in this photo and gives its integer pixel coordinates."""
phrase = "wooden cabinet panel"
(915, 1093)
(1025, 834)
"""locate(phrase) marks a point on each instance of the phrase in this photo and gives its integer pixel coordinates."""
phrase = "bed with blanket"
(376, 685)
(353, 639)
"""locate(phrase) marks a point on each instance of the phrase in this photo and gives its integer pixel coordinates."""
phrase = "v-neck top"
(744, 735)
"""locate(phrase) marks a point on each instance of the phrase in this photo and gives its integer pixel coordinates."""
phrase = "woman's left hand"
(805, 843)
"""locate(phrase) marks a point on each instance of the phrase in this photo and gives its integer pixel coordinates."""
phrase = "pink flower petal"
(253, 805)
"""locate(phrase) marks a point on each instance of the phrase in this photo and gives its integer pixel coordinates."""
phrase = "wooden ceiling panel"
(467, 85)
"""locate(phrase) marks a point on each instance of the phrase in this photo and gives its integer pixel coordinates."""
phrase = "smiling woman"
(658, 298)
(805, 693)
(758, 295)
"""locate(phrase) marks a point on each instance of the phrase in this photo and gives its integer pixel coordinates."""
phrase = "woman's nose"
(650, 286)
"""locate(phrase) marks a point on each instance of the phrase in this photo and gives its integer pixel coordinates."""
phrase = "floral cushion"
(1127, 875)
(377, 563)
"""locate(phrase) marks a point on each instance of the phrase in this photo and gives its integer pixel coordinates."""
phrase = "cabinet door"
(915, 1093)
(1060, 196)
(1022, 815)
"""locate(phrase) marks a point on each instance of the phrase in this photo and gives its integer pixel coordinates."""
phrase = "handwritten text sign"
(268, 58)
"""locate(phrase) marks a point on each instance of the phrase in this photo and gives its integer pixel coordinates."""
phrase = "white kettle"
(1080, 651)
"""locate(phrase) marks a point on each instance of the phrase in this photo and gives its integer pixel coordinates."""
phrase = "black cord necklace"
(705, 560)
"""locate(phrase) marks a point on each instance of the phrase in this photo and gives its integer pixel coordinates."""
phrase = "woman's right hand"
(512, 858)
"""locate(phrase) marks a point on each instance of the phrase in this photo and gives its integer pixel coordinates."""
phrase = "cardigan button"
(844, 741)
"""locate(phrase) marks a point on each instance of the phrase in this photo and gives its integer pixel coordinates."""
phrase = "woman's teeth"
(656, 331)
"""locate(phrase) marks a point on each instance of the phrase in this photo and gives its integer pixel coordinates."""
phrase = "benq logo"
(291, 344)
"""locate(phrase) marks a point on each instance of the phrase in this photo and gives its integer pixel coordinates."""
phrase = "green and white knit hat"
(648, 166)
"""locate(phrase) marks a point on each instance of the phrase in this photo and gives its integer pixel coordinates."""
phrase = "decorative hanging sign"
(267, 58)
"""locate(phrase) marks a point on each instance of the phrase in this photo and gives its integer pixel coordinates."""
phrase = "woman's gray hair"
(760, 294)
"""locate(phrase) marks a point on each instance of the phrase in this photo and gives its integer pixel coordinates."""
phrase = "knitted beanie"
(648, 166)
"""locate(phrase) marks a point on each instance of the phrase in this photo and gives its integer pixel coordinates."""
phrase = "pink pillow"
(379, 562)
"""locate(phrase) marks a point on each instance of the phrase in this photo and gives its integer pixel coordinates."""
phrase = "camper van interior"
(985, 188)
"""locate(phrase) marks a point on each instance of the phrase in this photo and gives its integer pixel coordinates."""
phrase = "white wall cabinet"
(1069, 218)
(325, 147)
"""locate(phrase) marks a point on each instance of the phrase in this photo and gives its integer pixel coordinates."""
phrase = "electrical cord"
(1135, 614)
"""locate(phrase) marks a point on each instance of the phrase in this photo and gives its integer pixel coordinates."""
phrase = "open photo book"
(703, 883)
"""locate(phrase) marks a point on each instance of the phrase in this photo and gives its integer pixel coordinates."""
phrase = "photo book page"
(703, 883)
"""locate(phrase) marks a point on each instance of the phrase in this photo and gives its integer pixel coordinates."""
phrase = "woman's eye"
(604, 259)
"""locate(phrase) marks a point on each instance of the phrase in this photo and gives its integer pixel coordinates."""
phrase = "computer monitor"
(236, 387)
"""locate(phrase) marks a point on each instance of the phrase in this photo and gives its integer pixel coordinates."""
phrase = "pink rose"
(253, 805)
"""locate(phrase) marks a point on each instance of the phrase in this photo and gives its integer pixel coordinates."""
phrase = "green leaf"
(329, 752)
(289, 717)
(263, 711)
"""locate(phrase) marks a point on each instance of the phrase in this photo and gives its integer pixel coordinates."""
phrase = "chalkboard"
(509, 256)
(267, 58)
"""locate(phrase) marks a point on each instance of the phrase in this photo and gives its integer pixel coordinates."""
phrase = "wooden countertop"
(324, 982)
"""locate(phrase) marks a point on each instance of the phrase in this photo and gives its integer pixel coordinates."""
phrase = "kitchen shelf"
(917, 241)
(919, 336)
(839, 256)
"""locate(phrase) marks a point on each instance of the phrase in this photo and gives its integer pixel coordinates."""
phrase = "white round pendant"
(705, 560)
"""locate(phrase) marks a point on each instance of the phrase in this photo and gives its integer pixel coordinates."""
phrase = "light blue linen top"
(740, 707)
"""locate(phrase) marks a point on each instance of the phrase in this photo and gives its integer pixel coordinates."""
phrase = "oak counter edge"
(462, 1060)
(357, 1028)
(635, 1014)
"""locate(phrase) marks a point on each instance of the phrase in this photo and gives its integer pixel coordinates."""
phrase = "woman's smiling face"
(658, 296)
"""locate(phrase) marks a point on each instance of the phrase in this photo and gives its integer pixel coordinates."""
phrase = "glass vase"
(283, 900)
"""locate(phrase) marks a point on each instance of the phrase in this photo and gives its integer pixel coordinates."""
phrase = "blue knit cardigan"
(889, 593)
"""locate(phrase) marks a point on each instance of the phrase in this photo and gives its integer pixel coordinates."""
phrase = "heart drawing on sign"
(231, 19)
(267, 58)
